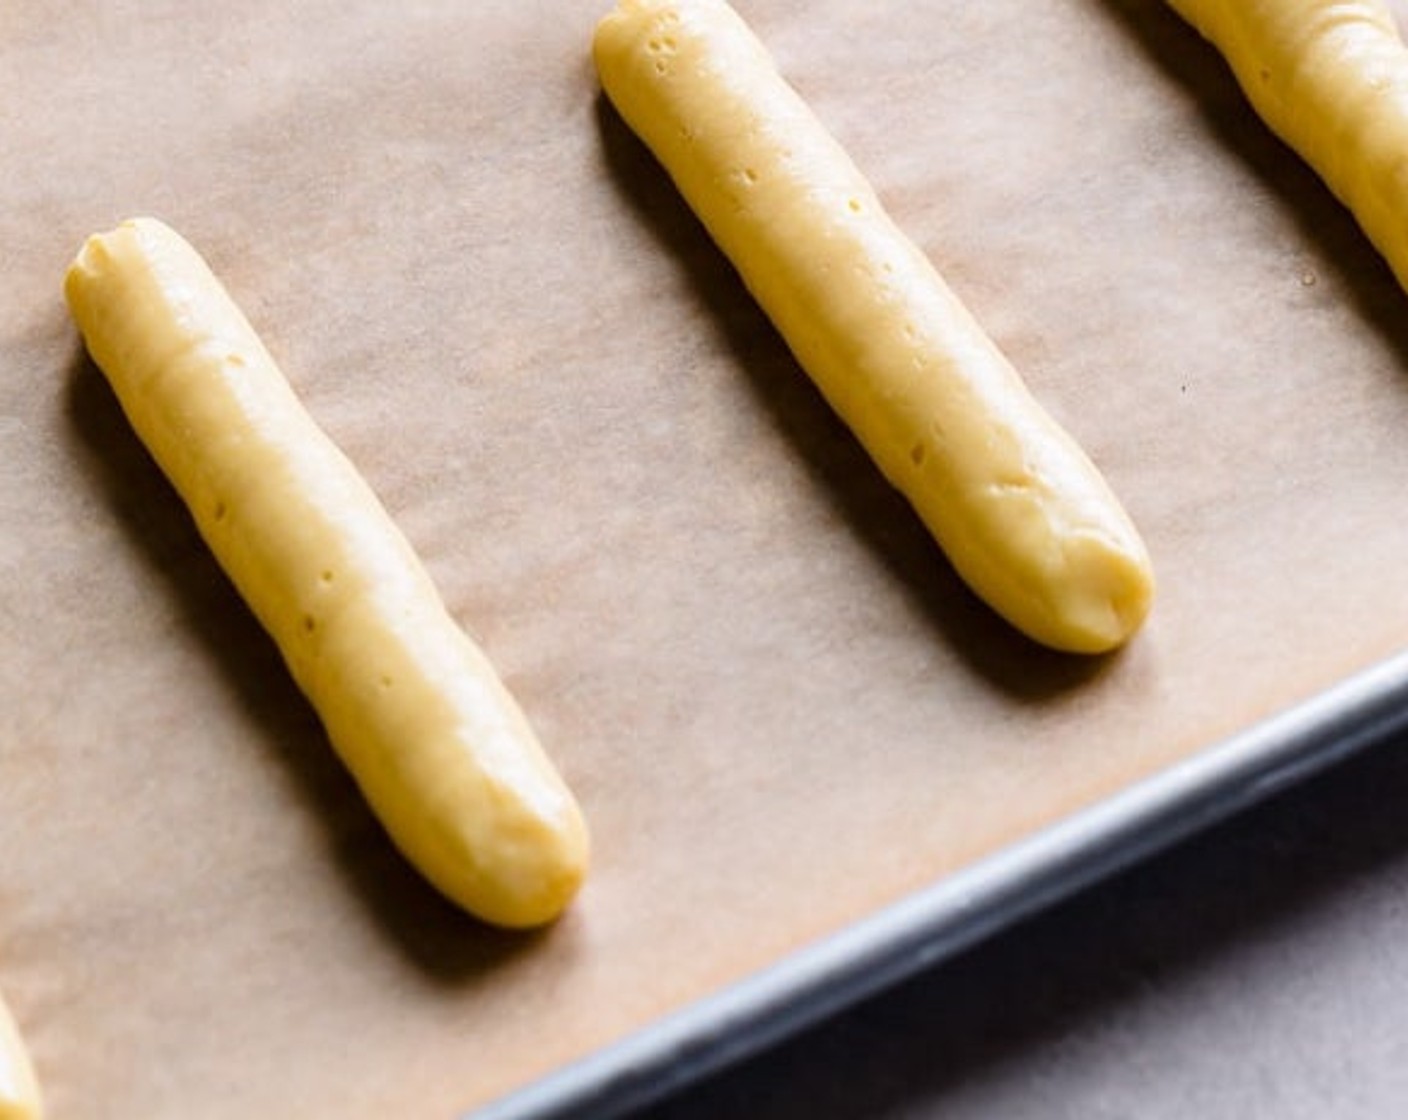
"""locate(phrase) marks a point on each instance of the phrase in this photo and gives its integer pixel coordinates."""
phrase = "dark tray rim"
(964, 907)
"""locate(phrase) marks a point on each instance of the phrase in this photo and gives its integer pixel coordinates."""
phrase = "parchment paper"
(779, 707)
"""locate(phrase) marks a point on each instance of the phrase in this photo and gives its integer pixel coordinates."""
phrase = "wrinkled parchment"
(779, 707)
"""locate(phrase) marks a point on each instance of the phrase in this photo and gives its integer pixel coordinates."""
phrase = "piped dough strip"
(437, 745)
(1330, 78)
(19, 1090)
(1019, 509)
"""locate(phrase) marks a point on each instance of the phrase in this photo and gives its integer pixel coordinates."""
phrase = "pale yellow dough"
(1021, 512)
(1330, 77)
(19, 1091)
(441, 751)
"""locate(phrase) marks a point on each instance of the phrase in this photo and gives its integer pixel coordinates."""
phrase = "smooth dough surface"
(19, 1090)
(440, 749)
(1019, 509)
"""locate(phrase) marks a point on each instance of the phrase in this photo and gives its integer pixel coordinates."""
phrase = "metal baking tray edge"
(963, 908)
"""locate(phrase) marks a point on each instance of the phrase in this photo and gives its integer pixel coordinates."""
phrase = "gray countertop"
(1260, 970)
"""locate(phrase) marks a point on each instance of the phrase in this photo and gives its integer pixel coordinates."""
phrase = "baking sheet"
(941, 920)
(781, 711)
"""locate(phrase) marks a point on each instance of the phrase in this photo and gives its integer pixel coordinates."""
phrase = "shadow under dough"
(845, 475)
(445, 943)
(1194, 66)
